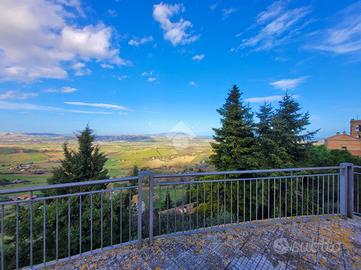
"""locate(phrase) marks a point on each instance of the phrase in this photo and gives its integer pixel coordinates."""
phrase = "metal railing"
(59, 222)
(357, 190)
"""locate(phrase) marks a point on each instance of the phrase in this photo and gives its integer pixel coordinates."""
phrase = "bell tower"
(355, 129)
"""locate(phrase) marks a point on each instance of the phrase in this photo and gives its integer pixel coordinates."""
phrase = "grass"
(159, 155)
(32, 180)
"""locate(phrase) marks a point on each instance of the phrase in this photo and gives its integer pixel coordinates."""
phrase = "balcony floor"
(291, 243)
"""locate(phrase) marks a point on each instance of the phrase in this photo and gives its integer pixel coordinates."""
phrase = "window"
(343, 147)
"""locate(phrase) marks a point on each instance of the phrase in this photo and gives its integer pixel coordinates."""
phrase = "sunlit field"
(28, 160)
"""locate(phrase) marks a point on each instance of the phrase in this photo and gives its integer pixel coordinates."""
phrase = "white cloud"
(136, 42)
(345, 36)
(198, 57)
(39, 39)
(150, 75)
(287, 84)
(89, 42)
(122, 77)
(106, 66)
(176, 32)
(276, 25)
(80, 69)
(68, 89)
(263, 99)
(192, 83)
(4, 105)
(228, 11)
(65, 90)
(272, 11)
(11, 94)
(97, 105)
(147, 73)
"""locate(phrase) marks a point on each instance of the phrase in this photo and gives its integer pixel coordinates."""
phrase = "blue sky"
(130, 67)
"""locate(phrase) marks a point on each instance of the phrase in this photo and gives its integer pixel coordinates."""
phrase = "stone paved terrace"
(291, 243)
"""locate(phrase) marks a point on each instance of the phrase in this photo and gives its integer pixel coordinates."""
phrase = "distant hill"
(127, 138)
(43, 134)
(41, 137)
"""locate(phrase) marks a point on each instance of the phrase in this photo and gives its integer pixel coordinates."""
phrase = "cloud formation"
(80, 69)
(276, 25)
(39, 39)
(4, 105)
(228, 11)
(150, 76)
(106, 66)
(177, 32)
(198, 57)
(263, 99)
(192, 83)
(345, 36)
(136, 42)
(64, 90)
(97, 105)
(122, 77)
(288, 84)
(11, 94)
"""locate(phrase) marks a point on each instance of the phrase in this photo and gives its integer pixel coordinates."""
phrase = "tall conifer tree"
(290, 129)
(85, 164)
(235, 141)
(270, 153)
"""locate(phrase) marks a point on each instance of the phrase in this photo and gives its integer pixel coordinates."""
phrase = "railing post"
(151, 206)
(139, 208)
(346, 190)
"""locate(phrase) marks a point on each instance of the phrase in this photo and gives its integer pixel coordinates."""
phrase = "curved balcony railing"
(47, 224)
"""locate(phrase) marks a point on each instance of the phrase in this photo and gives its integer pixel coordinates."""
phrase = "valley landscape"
(27, 159)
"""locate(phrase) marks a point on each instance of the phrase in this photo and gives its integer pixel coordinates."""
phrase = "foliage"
(279, 139)
(167, 203)
(270, 153)
(135, 171)
(107, 215)
(235, 143)
(96, 210)
(318, 156)
(289, 127)
(85, 164)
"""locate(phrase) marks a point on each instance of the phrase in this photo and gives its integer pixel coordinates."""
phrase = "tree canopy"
(279, 139)
(235, 138)
(85, 164)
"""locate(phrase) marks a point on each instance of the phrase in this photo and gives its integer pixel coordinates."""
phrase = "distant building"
(343, 141)
(355, 129)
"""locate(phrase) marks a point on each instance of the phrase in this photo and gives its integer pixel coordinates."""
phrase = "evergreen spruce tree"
(290, 129)
(85, 164)
(235, 141)
(270, 153)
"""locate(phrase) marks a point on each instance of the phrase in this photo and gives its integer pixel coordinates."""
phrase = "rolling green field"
(27, 160)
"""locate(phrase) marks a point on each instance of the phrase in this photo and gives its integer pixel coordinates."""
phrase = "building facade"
(343, 141)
